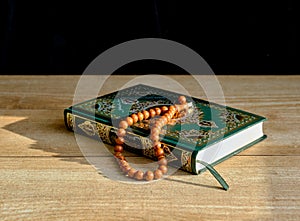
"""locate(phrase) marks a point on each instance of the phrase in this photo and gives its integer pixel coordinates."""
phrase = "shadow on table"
(46, 134)
(52, 137)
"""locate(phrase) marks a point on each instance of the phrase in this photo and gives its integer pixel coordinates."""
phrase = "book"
(209, 133)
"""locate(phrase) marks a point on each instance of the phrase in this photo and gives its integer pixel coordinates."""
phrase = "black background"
(234, 37)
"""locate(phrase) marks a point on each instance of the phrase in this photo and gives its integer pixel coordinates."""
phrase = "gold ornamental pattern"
(104, 132)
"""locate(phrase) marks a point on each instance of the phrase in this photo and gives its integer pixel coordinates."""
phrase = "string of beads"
(163, 116)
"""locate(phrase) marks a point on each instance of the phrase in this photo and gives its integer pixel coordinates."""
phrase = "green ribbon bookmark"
(218, 177)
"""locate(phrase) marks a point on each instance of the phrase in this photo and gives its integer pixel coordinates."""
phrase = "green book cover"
(209, 132)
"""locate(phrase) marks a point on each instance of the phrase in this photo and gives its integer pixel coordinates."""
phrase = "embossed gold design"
(186, 161)
(104, 132)
(168, 153)
(208, 123)
(148, 149)
(88, 128)
(70, 121)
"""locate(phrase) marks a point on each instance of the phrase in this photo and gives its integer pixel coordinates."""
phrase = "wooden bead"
(171, 112)
(120, 140)
(172, 115)
(129, 121)
(154, 137)
(149, 175)
(152, 113)
(172, 108)
(163, 169)
(139, 175)
(119, 156)
(159, 124)
(146, 114)
(155, 130)
(182, 100)
(140, 116)
(157, 145)
(121, 132)
(164, 109)
(123, 163)
(123, 124)
(125, 169)
(157, 110)
(134, 118)
(168, 116)
(131, 172)
(157, 174)
(160, 157)
(163, 161)
(164, 120)
(118, 148)
(159, 152)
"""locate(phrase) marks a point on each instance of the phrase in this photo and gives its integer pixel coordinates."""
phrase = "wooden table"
(43, 174)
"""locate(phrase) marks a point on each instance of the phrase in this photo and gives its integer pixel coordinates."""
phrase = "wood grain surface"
(44, 175)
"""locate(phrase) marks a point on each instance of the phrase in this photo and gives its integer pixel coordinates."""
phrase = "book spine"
(135, 143)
